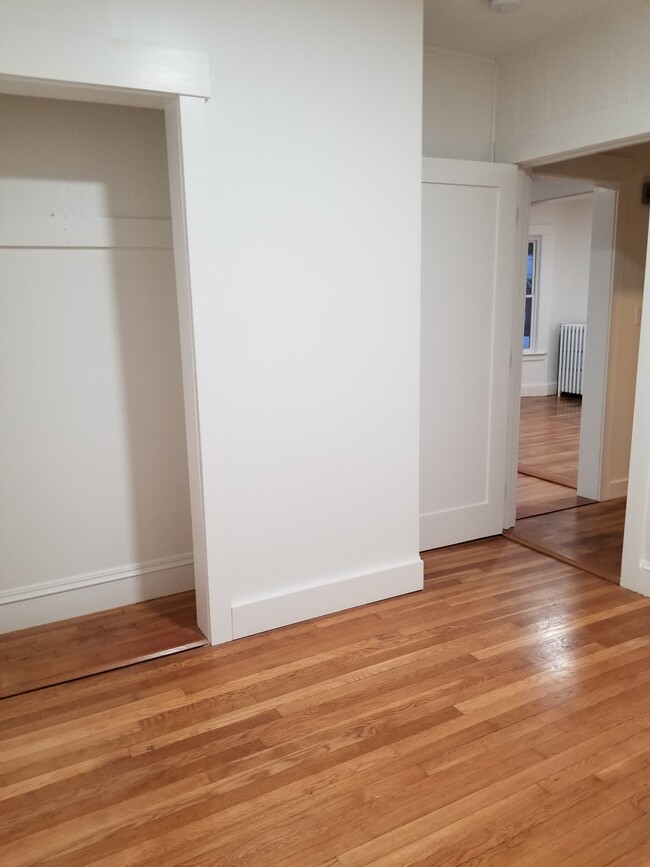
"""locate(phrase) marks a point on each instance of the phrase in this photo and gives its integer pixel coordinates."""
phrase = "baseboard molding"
(636, 578)
(49, 601)
(539, 389)
(258, 615)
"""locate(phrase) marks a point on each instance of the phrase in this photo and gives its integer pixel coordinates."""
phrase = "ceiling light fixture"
(503, 5)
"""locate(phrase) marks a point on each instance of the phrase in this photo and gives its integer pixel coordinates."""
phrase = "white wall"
(458, 105)
(93, 458)
(564, 226)
(586, 87)
(307, 337)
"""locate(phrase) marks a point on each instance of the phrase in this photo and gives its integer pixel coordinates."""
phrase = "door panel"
(469, 216)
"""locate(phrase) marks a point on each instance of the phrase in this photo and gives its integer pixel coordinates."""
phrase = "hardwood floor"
(501, 717)
(539, 497)
(549, 439)
(57, 652)
(590, 538)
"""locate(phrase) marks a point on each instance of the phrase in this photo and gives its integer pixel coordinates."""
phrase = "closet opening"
(95, 500)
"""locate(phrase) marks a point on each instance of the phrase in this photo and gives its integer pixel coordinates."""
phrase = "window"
(530, 309)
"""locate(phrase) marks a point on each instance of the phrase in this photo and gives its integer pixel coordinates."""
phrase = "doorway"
(589, 531)
(94, 451)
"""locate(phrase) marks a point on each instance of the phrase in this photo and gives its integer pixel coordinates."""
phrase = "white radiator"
(572, 351)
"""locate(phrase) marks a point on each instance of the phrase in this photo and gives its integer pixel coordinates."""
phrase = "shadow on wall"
(95, 498)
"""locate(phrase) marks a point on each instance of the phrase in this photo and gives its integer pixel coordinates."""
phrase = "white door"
(469, 240)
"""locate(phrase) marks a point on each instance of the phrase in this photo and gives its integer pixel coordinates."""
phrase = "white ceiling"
(471, 27)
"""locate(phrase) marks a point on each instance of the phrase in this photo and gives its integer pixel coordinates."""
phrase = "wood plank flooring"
(501, 717)
(590, 538)
(44, 655)
(539, 497)
(549, 439)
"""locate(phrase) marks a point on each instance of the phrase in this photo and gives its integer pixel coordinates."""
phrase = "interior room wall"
(564, 228)
(586, 86)
(307, 348)
(94, 497)
(458, 105)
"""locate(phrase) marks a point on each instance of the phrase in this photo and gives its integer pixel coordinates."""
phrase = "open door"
(469, 246)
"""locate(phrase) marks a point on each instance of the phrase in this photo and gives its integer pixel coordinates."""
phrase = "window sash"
(531, 295)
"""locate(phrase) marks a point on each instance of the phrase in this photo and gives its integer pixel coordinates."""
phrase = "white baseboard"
(258, 615)
(539, 389)
(49, 601)
(637, 578)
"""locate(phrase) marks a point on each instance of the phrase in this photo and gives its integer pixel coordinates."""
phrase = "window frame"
(531, 349)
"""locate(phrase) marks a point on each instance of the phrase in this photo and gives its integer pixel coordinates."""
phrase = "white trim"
(516, 367)
(604, 280)
(644, 565)
(258, 615)
(495, 101)
(87, 59)
(78, 232)
(92, 579)
(531, 355)
(188, 158)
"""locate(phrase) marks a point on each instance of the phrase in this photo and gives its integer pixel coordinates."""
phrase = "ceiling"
(471, 27)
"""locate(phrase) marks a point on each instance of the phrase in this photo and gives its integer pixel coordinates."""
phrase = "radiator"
(572, 351)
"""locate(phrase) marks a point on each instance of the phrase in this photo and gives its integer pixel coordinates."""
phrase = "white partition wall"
(461, 87)
(585, 88)
(304, 279)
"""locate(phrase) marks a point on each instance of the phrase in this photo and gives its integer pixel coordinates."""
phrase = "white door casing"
(48, 63)
(469, 247)
(596, 357)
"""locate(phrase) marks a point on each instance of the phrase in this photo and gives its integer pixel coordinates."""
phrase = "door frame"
(599, 319)
(514, 390)
(48, 64)
(635, 575)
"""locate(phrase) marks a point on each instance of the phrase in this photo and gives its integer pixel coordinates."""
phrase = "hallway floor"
(551, 517)
(549, 438)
